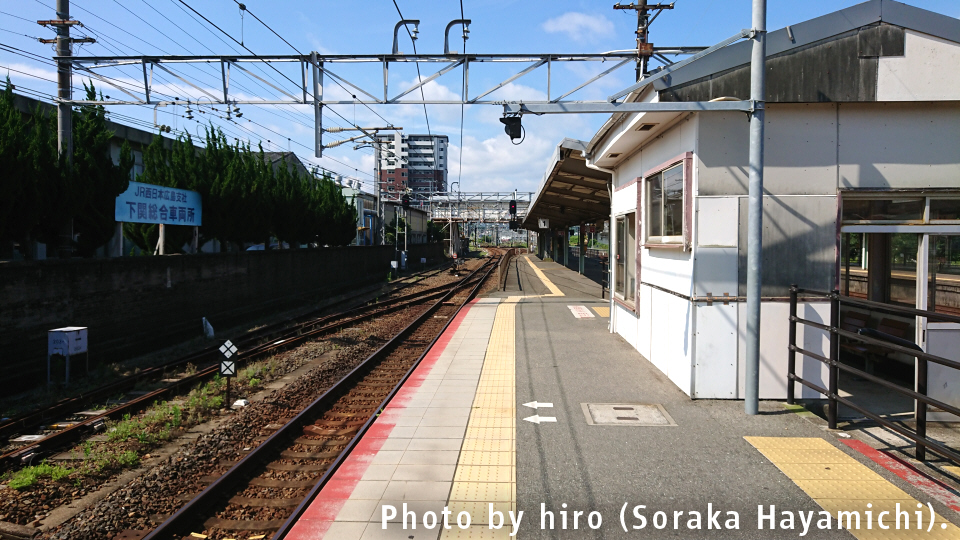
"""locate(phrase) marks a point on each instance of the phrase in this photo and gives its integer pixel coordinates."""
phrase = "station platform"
(529, 404)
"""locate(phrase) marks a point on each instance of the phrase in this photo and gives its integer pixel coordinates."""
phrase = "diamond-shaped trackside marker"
(228, 349)
(228, 368)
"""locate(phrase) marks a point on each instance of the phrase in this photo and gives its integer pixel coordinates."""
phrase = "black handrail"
(880, 340)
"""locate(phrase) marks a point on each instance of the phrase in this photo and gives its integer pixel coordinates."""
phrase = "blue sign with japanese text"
(146, 203)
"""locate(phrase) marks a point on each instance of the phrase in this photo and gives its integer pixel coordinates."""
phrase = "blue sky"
(489, 160)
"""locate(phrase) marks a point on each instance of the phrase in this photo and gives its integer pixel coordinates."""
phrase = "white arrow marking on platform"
(536, 419)
(537, 405)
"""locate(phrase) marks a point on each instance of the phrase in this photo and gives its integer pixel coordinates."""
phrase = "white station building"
(862, 148)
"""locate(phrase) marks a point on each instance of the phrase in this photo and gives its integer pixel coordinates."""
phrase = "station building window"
(902, 250)
(667, 202)
(664, 205)
(625, 271)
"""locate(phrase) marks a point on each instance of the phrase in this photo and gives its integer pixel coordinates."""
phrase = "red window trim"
(687, 159)
(625, 305)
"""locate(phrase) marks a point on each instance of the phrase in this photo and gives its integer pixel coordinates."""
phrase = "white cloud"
(496, 164)
(580, 26)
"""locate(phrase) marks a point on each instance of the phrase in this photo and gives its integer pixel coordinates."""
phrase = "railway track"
(266, 490)
(254, 345)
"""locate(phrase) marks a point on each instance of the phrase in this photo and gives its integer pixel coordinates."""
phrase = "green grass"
(28, 476)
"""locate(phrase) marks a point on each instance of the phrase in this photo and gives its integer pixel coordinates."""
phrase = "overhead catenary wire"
(103, 40)
(253, 53)
(244, 8)
(196, 140)
(419, 77)
(164, 80)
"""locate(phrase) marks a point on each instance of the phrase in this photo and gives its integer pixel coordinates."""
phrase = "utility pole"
(381, 227)
(644, 47)
(380, 237)
(63, 41)
(755, 207)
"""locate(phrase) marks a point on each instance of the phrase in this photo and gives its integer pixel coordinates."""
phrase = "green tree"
(19, 190)
(95, 176)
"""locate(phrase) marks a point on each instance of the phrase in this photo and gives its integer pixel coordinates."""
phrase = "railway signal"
(228, 368)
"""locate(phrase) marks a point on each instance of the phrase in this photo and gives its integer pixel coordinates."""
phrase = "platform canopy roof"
(570, 193)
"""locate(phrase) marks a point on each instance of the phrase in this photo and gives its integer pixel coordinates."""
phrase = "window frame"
(682, 241)
(628, 296)
(925, 224)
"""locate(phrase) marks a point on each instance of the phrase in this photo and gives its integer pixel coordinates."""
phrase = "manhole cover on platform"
(626, 414)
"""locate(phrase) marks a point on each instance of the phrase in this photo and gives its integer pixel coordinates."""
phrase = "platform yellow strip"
(602, 311)
(839, 483)
(554, 290)
(487, 468)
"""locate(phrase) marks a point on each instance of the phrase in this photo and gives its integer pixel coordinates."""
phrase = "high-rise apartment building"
(418, 162)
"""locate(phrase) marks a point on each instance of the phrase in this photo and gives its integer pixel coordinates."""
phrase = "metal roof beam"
(598, 206)
(582, 107)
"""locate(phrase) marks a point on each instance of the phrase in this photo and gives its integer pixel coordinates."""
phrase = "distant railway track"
(267, 489)
(253, 345)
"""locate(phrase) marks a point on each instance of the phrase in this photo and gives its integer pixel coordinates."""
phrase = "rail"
(263, 453)
(271, 339)
(881, 341)
(503, 267)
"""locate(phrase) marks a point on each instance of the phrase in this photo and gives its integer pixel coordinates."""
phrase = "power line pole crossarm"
(644, 47)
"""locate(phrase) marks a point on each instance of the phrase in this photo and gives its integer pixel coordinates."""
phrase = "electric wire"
(243, 7)
(18, 17)
(239, 43)
(101, 40)
(251, 52)
(168, 83)
(19, 34)
(419, 77)
(197, 139)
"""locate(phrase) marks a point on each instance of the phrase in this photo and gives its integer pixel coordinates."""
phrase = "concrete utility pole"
(317, 103)
(65, 94)
(644, 47)
(64, 43)
(380, 238)
(755, 207)
(64, 111)
(64, 82)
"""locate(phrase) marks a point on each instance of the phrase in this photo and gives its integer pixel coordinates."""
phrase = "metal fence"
(591, 252)
(878, 341)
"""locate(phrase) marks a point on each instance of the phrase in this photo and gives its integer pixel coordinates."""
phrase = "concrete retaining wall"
(134, 305)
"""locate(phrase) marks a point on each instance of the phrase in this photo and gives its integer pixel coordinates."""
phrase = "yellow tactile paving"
(492, 412)
(482, 491)
(480, 511)
(491, 422)
(806, 455)
(837, 472)
(486, 469)
(484, 473)
(795, 443)
(602, 311)
(480, 532)
(851, 489)
(839, 483)
(488, 458)
(490, 433)
(554, 290)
